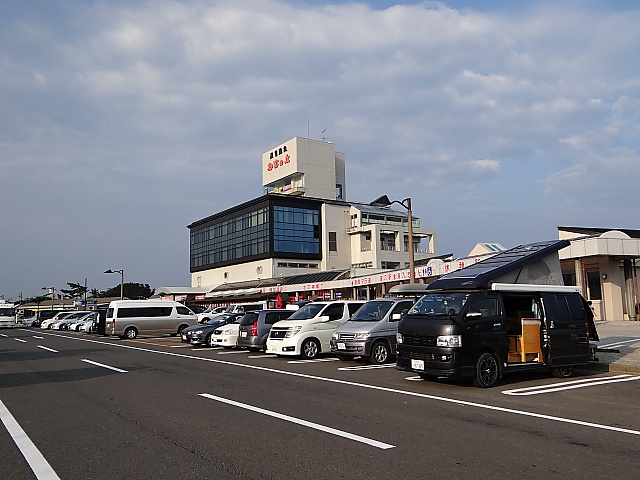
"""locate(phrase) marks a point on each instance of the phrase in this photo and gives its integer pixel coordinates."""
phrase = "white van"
(307, 332)
(246, 307)
(130, 318)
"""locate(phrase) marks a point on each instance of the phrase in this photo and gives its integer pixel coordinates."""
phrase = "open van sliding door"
(566, 328)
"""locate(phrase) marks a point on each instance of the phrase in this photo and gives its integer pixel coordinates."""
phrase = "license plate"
(342, 346)
(184, 337)
(243, 334)
(417, 364)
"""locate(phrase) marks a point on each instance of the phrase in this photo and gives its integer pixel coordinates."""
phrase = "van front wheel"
(562, 372)
(379, 354)
(130, 333)
(486, 371)
(310, 348)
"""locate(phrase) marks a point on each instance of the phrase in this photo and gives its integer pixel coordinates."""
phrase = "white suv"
(308, 331)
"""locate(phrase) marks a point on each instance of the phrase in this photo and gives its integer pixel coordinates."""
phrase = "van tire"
(487, 371)
(562, 372)
(130, 333)
(180, 328)
(310, 349)
(379, 353)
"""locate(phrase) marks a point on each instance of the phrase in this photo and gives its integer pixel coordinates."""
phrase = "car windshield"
(439, 304)
(310, 310)
(372, 311)
(216, 322)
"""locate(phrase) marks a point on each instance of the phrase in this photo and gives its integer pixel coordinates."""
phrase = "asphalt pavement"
(618, 347)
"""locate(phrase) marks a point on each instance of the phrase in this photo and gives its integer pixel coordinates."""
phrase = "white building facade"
(303, 224)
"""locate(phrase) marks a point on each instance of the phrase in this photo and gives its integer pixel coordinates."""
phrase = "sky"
(122, 122)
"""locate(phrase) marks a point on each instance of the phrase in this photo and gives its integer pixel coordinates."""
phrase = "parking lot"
(99, 407)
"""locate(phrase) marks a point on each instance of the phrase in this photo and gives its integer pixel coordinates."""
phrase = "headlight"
(360, 336)
(399, 337)
(228, 332)
(335, 336)
(449, 341)
(197, 332)
(293, 331)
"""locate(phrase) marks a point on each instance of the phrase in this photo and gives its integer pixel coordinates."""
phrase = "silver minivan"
(130, 318)
(371, 331)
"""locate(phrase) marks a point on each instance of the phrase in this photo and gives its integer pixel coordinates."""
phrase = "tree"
(132, 291)
(95, 293)
(37, 300)
(75, 290)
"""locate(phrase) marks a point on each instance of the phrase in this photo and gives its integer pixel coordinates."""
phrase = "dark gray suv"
(255, 327)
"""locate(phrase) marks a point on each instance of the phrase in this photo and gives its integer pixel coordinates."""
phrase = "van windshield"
(439, 304)
(308, 311)
(372, 311)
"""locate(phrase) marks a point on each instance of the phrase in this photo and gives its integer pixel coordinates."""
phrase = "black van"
(485, 332)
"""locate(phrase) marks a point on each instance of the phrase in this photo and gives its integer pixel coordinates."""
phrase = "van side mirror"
(473, 314)
(324, 318)
(395, 317)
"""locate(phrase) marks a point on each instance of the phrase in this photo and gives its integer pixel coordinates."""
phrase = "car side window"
(353, 307)
(271, 318)
(484, 306)
(400, 307)
(184, 311)
(334, 312)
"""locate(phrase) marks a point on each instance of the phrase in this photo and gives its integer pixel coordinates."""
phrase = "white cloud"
(160, 110)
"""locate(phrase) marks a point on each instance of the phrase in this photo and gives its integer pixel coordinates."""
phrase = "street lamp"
(406, 203)
(52, 291)
(121, 272)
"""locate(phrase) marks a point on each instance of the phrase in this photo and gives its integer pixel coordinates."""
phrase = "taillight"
(254, 330)
(113, 325)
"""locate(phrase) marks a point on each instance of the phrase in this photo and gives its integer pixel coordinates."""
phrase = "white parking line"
(559, 387)
(620, 344)
(105, 366)
(367, 367)
(455, 401)
(39, 338)
(3, 335)
(30, 452)
(314, 360)
(230, 352)
(179, 346)
(20, 340)
(316, 426)
(47, 348)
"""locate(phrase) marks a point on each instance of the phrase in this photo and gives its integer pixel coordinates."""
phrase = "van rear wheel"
(562, 372)
(130, 333)
(486, 371)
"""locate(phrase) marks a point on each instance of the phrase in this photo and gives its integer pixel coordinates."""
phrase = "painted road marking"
(314, 360)
(47, 348)
(231, 351)
(620, 344)
(105, 366)
(175, 346)
(3, 335)
(481, 406)
(20, 340)
(39, 338)
(367, 367)
(305, 423)
(30, 452)
(559, 387)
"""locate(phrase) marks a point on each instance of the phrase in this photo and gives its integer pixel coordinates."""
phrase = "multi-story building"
(302, 224)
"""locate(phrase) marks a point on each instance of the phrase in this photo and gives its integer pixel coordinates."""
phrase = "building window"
(390, 265)
(233, 239)
(296, 230)
(593, 285)
(333, 242)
